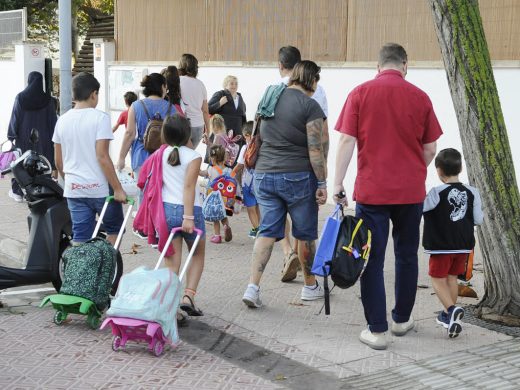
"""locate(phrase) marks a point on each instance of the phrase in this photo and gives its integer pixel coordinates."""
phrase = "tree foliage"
(42, 17)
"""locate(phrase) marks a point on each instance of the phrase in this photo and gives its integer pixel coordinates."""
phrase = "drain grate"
(471, 318)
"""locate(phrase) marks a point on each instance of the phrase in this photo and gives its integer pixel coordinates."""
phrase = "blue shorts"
(281, 193)
(248, 195)
(83, 215)
(174, 213)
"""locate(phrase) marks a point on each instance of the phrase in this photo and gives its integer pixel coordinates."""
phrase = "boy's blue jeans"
(83, 215)
(405, 233)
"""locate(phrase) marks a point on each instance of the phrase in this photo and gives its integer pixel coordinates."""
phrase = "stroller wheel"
(59, 317)
(158, 348)
(116, 343)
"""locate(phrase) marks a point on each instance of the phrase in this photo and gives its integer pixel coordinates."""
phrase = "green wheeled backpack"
(89, 271)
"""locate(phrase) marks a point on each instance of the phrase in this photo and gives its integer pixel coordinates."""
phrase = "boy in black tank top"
(450, 213)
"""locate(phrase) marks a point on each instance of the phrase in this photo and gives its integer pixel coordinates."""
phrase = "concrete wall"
(338, 82)
(11, 85)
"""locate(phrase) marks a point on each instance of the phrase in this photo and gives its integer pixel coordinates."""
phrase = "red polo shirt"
(391, 120)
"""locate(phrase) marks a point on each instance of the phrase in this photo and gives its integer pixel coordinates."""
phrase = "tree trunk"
(485, 146)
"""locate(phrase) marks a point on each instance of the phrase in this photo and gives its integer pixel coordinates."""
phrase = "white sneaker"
(15, 197)
(373, 340)
(402, 328)
(252, 296)
(312, 293)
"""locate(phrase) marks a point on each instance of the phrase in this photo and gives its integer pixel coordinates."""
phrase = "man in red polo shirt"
(395, 129)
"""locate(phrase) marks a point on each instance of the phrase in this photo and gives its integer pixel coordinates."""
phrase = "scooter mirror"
(35, 136)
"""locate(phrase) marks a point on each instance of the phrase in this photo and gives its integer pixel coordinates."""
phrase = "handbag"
(327, 243)
(129, 183)
(253, 148)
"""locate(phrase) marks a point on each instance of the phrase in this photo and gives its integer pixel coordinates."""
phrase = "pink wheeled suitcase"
(135, 318)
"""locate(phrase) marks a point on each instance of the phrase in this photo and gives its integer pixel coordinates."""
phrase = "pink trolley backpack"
(146, 304)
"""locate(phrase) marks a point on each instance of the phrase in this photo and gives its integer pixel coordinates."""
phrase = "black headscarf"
(33, 97)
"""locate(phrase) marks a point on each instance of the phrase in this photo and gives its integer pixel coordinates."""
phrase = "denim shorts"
(281, 193)
(248, 195)
(174, 213)
(83, 215)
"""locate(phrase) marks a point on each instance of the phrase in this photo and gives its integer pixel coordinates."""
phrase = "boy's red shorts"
(442, 265)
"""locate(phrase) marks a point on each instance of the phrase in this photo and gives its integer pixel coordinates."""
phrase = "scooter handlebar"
(6, 171)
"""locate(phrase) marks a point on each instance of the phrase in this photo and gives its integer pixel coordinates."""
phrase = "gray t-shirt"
(284, 137)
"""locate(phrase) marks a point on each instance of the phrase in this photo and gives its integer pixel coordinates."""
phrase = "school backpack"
(89, 271)
(227, 185)
(468, 268)
(351, 255)
(213, 208)
(152, 133)
(149, 295)
(231, 147)
(7, 157)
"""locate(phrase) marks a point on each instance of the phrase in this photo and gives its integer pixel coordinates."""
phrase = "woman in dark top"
(229, 103)
(33, 109)
(290, 178)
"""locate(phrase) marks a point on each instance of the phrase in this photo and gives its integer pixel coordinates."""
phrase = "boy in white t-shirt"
(246, 181)
(81, 140)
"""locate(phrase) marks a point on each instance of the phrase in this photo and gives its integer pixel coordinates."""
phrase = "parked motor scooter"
(50, 226)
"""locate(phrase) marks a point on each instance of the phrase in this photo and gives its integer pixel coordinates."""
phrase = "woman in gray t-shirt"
(290, 177)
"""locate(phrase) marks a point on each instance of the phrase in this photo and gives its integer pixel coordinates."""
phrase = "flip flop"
(190, 308)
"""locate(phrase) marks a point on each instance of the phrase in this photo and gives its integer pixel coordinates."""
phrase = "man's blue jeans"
(405, 233)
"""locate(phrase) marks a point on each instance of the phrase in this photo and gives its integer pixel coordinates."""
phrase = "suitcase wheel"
(60, 317)
(158, 348)
(93, 321)
(116, 343)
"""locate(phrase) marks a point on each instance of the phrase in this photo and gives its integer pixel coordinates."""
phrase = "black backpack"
(350, 256)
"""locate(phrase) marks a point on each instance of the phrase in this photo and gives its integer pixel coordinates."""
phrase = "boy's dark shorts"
(442, 265)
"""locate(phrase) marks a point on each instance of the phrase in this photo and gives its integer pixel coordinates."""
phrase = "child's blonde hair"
(217, 122)
(218, 154)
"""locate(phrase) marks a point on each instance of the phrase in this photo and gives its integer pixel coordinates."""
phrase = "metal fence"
(13, 27)
(324, 30)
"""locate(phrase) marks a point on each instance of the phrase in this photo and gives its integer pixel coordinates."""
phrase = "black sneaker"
(140, 234)
(455, 326)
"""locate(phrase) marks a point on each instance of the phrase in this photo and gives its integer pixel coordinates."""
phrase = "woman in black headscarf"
(33, 109)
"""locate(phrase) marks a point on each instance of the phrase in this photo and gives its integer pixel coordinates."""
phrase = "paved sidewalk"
(285, 344)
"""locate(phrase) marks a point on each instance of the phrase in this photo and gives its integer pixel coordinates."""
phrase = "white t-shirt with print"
(193, 93)
(247, 174)
(77, 132)
(319, 95)
(174, 177)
